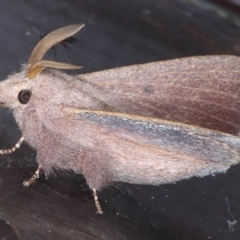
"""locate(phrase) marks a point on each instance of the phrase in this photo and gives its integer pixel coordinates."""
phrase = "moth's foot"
(13, 149)
(97, 204)
(33, 178)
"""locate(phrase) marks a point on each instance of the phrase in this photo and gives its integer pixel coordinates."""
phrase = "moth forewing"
(200, 91)
(167, 151)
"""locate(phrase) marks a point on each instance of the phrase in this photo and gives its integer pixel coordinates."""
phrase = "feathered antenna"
(35, 61)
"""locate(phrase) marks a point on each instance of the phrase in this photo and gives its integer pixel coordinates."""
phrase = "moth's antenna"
(35, 61)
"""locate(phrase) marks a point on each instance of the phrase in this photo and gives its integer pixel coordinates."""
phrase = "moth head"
(18, 89)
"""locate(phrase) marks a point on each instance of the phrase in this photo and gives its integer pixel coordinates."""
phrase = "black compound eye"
(24, 96)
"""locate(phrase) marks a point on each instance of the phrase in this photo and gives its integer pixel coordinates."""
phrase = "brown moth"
(151, 124)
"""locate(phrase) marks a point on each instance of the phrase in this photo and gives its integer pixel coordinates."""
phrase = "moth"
(153, 123)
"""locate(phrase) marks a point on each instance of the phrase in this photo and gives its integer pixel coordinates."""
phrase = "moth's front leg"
(13, 149)
(33, 178)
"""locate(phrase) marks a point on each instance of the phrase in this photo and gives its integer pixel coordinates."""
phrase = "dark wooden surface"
(117, 33)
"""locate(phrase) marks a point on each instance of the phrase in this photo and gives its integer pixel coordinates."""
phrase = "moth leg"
(13, 149)
(33, 178)
(97, 204)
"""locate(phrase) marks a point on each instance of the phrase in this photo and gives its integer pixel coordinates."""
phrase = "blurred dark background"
(116, 33)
